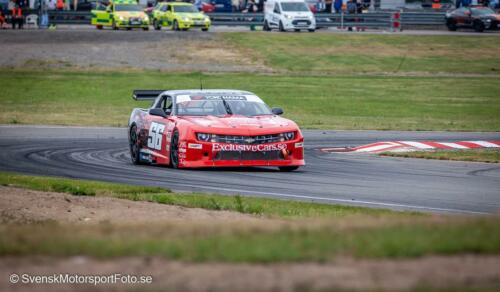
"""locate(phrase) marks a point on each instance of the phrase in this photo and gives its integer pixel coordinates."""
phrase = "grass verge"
(371, 53)
(476, 155)
(315, 102)
(250, 205)
(389, 234)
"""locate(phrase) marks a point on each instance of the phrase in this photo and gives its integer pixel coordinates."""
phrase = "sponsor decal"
(299, 145)
(252, 148)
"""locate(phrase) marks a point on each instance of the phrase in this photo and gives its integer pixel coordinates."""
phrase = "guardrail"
(368, 20)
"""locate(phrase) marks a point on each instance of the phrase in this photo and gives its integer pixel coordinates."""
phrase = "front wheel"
(156, 25)
(478, 26)
(288, 168)
(98, 26)
(145, 28)
(174, 150)
(175, 25)
(204, 29)
(113, 25)
(311, 30)
(281, 27)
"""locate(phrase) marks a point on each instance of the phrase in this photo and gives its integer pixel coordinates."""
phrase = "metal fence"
(368, 20)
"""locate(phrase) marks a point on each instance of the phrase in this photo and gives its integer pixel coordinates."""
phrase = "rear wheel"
(135, 149)
(174, 150)
(288, 168)
(98, 26)
(266, 26)
(452, 26)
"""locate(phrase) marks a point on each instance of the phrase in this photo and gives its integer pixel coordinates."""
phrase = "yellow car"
(179, 16)
(120, 14)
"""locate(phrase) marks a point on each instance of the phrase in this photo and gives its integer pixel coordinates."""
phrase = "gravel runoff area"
(123, 50)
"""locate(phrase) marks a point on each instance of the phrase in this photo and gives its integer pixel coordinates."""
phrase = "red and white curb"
(402, 146)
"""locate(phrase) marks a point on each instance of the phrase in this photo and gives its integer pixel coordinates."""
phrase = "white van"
(288, 15)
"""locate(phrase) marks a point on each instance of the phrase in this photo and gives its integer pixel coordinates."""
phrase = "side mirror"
(158, 112)
(277, 111)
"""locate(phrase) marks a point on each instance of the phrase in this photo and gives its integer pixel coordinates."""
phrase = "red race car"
(212, 128)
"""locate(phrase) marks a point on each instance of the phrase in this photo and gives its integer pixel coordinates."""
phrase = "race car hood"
(191, 15)
(128, 14)
(250, 124)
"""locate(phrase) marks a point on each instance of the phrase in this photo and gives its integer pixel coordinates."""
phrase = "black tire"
(135, 148)
(145, 28)
(266, 26)
(156, 25)
(281, 27)
(175, 25)
(452, 26)
(311, 30)
(129, 28)
(113, 25)
(478, 26)
(204, 29)
(288, 168)
(174, 150)
(98, 26)
(297, 30)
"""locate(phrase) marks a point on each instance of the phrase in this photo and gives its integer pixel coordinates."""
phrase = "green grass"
(342, 230)
(312, 243)
(250, 205)
(315, 102)
(477, 155)
(373, 54)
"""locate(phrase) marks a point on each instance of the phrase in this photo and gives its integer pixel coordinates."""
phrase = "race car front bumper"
(127, 23)
(299, 24)
(186, 24)
(207, 154)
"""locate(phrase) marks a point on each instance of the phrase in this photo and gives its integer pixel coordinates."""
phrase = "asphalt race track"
(356, 179)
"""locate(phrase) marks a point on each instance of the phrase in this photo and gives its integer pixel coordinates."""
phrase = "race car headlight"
(207, 18)
(287, 136)
(185, 18)
(203, 137)
(146, 18)
(122, 18)
(288, 16)
(488, 20)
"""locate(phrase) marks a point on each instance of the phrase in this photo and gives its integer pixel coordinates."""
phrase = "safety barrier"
(341, 20)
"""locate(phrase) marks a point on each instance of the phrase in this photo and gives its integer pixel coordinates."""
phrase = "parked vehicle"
(477, 17)
(288, 15)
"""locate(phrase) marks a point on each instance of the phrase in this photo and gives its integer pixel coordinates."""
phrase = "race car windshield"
(185, 9)
(217, 107)
(482, 11)
(127, 7)
(294, 6)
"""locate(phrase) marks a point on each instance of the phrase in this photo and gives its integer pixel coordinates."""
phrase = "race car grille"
(248, 155)
(263, 139)
(135, 20)
(301, 22)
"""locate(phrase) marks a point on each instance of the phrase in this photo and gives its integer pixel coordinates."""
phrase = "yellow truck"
(120, 14)
(179, 16)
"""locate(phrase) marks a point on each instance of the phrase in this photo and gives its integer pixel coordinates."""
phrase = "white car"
(288, 15)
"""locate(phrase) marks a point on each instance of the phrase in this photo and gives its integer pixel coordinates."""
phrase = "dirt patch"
(344, 273)
(27, 206)
(127, 51)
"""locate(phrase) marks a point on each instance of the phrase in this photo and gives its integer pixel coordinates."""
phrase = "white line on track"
(372, 203)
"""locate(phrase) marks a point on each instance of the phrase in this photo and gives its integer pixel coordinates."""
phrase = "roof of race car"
(207, 91)
(124, 2)
(177, 3)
